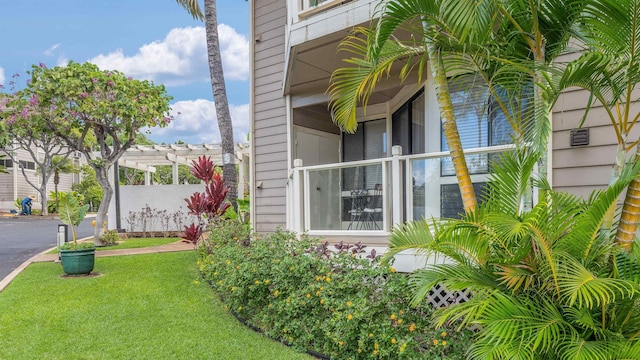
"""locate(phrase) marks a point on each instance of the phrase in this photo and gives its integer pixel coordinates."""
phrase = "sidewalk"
(44, 257)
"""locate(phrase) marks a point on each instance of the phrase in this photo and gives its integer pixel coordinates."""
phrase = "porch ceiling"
(314, 61)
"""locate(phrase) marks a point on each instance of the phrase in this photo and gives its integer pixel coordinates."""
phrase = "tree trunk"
(630, 217)
(220, 98)
(102, 175)
(450, 128)
(56, 181)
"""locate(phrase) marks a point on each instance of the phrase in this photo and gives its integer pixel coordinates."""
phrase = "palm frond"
(192, 7)
(581, 287)
(412, 235)
(581, 349)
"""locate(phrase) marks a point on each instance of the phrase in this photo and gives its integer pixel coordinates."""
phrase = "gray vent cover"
(579, 137)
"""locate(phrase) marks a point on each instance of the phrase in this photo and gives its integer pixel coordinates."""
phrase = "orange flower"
(412, 327)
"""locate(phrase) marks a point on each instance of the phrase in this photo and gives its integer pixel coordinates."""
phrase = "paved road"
(23, 237)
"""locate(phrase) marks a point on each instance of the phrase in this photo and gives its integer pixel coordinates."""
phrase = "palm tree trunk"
(630, 217)
(220, 98)
(450, 128)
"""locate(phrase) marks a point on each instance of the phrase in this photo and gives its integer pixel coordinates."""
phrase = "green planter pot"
(78, 262)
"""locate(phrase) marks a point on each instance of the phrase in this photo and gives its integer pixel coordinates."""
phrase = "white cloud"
(181, 57)
(50, 51)
(1, 76)
(195, 122)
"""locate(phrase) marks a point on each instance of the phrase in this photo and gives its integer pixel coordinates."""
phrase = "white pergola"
(146, 157)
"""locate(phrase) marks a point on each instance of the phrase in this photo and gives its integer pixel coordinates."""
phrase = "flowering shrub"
(336, 300)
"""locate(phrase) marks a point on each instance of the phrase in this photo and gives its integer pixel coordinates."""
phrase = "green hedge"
(336, 300)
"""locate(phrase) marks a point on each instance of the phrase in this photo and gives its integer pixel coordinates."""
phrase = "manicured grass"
(133, 243)
(142, 307)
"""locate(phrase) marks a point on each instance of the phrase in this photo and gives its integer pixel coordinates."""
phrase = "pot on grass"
(78, 259)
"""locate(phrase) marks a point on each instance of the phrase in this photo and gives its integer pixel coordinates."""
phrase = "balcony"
(367, 198)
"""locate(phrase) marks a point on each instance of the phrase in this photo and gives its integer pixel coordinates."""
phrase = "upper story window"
(311, 7)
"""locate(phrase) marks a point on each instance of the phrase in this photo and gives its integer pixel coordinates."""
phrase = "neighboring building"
(14, 186)
(294, 52)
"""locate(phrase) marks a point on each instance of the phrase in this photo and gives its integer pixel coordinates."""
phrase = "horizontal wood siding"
(6, 187)
(581, 169)
(269, 115)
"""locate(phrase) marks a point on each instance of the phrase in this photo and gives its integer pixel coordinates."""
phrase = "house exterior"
(308, 176)
(14, 186)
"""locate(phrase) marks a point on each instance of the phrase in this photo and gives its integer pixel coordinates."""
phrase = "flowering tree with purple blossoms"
(97, 113)
(24, 124)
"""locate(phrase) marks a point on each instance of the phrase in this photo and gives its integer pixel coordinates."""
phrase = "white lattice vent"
(439, 296)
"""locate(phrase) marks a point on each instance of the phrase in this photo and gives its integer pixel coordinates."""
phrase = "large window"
(408, 126)
(481, 123)
(368, 142)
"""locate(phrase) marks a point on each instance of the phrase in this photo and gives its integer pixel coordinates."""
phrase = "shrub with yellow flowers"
(333, 299)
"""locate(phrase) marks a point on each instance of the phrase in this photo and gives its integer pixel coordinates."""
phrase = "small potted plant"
(77, 258)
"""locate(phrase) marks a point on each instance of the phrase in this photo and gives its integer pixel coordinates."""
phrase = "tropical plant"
(219, 91)
(609, 69)
(508, 44)
(71, 213)
(208, 206)
(61, 165)
(82, 102)
(88, 187)
(547, 283)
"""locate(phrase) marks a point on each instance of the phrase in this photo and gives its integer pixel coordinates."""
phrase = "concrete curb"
(44, 257)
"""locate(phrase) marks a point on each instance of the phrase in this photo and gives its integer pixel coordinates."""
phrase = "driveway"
(23, 237)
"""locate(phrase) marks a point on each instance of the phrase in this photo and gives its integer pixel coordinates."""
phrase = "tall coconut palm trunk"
(220, 98)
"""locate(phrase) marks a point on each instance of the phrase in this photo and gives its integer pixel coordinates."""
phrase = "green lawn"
(142, 307)
(133, 243)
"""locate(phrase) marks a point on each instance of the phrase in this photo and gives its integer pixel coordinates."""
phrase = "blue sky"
(145, 39)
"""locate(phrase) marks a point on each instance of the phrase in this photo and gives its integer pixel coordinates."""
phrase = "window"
(481, 122)
(368, 142)
(7, 163)
(29, 165)
(408, 126)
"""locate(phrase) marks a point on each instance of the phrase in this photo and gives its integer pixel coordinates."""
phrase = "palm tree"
(377, 51)
(610, 70)
(510, 44)
(61, 165)
(547, 283)
(219, 90)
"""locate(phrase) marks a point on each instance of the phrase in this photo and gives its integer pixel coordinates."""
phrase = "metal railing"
(371, 196)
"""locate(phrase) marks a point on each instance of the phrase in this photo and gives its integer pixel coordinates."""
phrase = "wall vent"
(579, 137)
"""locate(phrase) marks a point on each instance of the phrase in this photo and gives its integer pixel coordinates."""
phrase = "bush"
(110, 237)
(336, 300)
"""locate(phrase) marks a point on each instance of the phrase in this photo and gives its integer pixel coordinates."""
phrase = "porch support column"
(298, 198)
(174, 173)
(396, 185)
(147, 178)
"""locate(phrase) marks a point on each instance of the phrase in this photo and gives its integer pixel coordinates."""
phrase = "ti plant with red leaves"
(209, 205)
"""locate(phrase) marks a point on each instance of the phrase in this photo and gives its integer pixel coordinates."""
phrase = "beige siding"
(581, 169)
(269, 114)
(6, 187)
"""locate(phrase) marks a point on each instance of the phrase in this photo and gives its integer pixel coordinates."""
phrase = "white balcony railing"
(369, 197)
